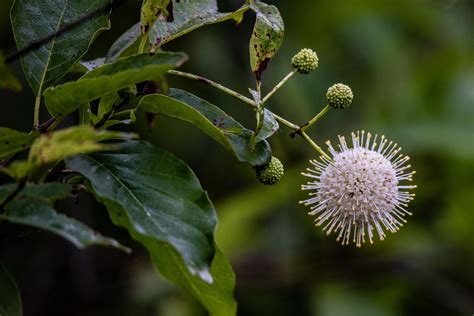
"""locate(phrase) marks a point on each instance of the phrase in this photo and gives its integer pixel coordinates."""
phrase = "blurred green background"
(410, 64)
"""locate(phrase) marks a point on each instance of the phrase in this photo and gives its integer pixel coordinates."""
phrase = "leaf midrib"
(53, 42)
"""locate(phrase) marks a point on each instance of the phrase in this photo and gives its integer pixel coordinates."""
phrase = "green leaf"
(85, 114)
(12, 141)
(10, 300)
(122, 45)
(7, 79)
(267, 36)
(66, 98)
(210, 119)
(106, 103)
(160, 196)
(218, 297)
(188, 16)
(55, 146)
(33, 20)
(151, 10)
(270, 126)
(34, 207)
(159, 200)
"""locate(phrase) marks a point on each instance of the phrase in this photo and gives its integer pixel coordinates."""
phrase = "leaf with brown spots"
(151, 11)
(267, 36)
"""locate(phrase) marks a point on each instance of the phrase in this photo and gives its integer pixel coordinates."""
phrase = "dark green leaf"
(123, 43)
(267, 36)
(212, 120)
(34, 207)
(159, 200)
(33, 20)
(85, 114)
(160, 196)
(106, 104)
(7, 79)
(10, 300)
(66, 98)
(218, 297)
(188, 16)
(12, 141)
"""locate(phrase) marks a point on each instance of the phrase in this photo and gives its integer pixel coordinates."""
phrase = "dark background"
(410, 64)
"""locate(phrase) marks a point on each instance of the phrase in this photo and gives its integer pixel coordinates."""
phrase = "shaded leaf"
(106, 104)
(33, 20)
(188, 16)
(10, 300)
(210, 119)
(12, 141)
(85, 114)
(66, 98)
(123, 43)
(18, 169)
(34, 207)
(159, 200)
(267, 36)
(7, 79)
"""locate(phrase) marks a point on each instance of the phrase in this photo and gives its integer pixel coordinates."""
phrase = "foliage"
(152, 194)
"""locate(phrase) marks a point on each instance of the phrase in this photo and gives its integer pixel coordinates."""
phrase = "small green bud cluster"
(305, 61)
(128, 93)
(270, 173)
(339, 96)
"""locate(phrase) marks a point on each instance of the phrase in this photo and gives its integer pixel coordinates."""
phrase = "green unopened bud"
(271, 173)
(339, 96)
(305, 61)
(128, 93)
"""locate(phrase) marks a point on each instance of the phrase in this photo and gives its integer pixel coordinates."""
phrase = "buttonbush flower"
(358, 192)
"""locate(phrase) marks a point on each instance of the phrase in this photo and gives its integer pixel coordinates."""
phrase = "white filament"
(358, 192)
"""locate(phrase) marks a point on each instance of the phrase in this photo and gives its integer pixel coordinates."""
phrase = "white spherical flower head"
(359, 191)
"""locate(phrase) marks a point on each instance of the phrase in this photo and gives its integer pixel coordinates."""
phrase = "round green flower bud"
(305, 61)
(128, 93)
(271, 173)
(339, 96)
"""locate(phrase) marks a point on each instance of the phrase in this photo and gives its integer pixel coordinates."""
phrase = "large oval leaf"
(108, 78)
(267, 36)
(212, 120)
(33, 20)
(159, 200)
(160, 196)
(10, 300)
